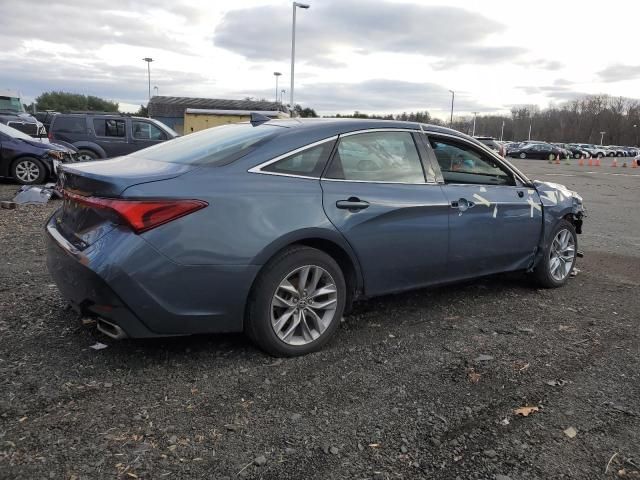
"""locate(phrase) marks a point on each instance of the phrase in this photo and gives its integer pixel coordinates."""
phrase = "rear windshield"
(213, 146)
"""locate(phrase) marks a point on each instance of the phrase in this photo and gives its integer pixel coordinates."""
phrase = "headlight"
(56, 154)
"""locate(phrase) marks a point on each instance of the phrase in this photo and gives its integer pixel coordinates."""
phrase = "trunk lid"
(82, 225)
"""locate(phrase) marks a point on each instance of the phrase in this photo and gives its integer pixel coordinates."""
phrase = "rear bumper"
(124, 280)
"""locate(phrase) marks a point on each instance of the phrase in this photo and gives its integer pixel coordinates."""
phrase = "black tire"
(542, 272)
(28, 171)
(523, 155)
(600, 155)
(576, 155)
(85, 152)
(258, 322)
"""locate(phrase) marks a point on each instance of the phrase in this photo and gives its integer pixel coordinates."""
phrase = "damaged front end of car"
(558, 203)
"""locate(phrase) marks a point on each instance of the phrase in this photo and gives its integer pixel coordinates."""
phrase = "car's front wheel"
(559, 257)
(523, 155)
(296, 303)
(28, 171)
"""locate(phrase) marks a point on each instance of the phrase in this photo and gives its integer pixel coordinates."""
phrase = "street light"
(277, 74)
(475, 114)
(601, 137)
(635, 129)
(502, 131)
(453, 95)
(156, 90)
(149, 60)
(293, 47)
(530, 123)
(282, 92)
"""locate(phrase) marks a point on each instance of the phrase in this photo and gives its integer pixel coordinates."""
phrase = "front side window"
(308, 163)
(146, 131)
(377, 157)
(109, 127)
(460, 163)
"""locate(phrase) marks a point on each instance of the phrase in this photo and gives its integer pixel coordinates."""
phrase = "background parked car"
(541, 151)
(492, 143)
(28, 160)
(99, 136)
(13, 114)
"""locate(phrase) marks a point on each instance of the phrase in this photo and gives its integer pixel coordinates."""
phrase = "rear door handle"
(352, 204)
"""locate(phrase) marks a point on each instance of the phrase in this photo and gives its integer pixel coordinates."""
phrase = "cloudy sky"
(384, 56)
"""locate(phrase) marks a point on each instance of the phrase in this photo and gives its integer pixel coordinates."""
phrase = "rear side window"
(308, 163)
(109, 127)
(70, 124)
(213, 146)
(377, 157)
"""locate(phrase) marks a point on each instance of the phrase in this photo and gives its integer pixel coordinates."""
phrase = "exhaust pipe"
(111, 330)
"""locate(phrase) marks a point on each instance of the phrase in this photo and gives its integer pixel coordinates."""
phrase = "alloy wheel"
(562, 255)
(27, 171)
(304, 305)
(84, 157)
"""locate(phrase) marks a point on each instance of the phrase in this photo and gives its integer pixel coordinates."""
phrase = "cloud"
(619, 73)
(128, 84)
(89, 25)
(452, 35)
(378, 95)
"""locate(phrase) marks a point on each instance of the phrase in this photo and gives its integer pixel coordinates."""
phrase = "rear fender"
(91, 146)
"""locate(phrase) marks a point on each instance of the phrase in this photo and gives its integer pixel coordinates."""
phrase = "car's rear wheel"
(523, 155)
(86, 155)
(552, 157)
(559, 257)
(28, 171)
(296, 303)
(600, 155)
(576, 155)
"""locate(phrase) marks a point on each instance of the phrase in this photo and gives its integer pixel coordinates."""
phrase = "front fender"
(558, 202)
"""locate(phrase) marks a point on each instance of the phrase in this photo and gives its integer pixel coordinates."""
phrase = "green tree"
(65, 102)
(305, 112)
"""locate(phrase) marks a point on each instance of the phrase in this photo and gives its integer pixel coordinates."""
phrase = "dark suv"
(98, 136)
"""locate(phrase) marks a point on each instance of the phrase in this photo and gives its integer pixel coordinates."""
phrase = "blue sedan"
(274, 227)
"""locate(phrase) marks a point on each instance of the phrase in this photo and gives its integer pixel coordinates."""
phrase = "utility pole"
(149, 60)
(602, 137)
(502, 131)
(293, 49)
(277, 75)
(453, 96)
(530, 123)
(475, 114)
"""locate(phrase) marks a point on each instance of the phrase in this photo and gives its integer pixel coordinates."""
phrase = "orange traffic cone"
(590, 162)
(614, 163)
(597, 161)
(634, 163)
(557, 159)
(581, 162)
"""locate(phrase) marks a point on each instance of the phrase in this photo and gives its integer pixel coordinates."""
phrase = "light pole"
(149, 60)
(475, 114)
(502, 131)
(635, 129)
(293, 48)
(277, 75)
(156, 90)
(530, 123)
(282, 92)
(601, 137)
(453, 96)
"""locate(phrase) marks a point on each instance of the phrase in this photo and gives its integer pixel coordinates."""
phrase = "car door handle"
(462, 204)
(352, 204)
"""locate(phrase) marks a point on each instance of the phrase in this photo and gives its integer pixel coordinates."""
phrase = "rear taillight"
(141, 215)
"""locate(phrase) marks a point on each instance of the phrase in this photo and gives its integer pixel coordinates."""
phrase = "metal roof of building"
(160, 106)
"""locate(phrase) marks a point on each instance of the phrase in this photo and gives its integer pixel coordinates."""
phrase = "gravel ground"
(418, 385)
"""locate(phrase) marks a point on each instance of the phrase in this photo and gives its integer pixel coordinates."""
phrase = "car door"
(495, 221)
(375, 194)
(111, 135)
(145, 134)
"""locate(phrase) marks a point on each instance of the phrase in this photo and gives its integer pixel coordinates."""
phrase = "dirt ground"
(420, 385)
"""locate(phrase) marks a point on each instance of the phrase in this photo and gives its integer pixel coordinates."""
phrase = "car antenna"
(258, 119)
